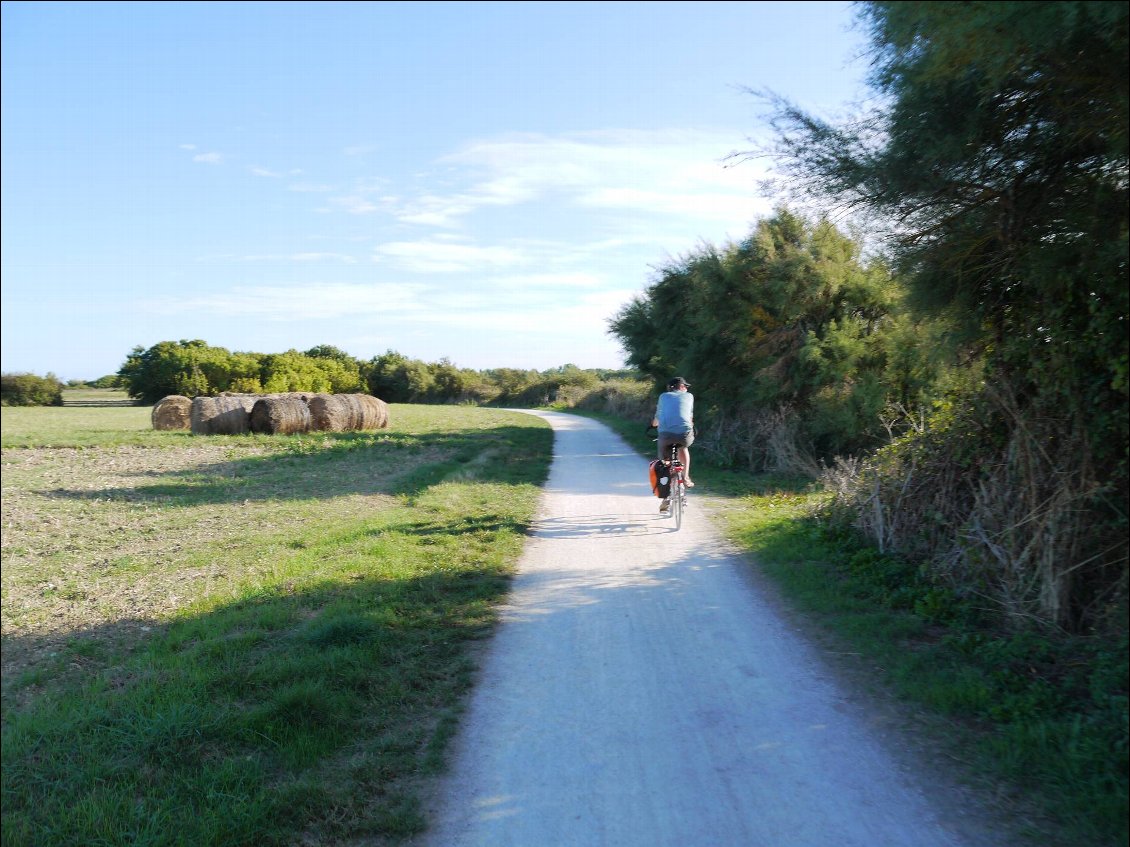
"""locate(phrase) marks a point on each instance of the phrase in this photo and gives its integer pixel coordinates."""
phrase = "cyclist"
(674, 418)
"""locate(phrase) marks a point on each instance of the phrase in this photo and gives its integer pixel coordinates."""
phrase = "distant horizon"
(483, 182)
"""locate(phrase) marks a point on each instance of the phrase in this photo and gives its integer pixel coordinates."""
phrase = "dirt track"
(642, 693)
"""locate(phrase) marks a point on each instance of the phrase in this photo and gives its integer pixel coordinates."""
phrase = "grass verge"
(1036, 719)
(326, 592)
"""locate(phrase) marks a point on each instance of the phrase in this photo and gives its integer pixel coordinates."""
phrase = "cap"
(675, 382)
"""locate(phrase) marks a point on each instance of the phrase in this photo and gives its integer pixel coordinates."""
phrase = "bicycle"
(677, 495)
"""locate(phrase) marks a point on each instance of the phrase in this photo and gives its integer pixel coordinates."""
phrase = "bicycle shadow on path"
(588, 526)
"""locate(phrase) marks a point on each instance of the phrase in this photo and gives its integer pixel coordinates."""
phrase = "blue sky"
(485, 182)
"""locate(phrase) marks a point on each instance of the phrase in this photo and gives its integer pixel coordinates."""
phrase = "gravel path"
(641, 693)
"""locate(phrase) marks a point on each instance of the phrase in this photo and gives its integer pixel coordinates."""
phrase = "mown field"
(246, 639)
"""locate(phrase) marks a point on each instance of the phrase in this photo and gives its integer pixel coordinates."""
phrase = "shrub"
(25, 389)
(108, 381)
(998, 501)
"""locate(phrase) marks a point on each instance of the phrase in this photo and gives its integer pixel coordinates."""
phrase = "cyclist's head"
(676, 383)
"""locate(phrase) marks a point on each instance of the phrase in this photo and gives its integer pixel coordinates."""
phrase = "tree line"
(195, 368)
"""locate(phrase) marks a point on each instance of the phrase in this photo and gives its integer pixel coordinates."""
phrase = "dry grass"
(126, 534)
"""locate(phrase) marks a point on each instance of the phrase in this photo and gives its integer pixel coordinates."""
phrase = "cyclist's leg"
(685, 457)
(667, 440)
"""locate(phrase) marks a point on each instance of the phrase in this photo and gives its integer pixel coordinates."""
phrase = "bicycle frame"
(678, 498)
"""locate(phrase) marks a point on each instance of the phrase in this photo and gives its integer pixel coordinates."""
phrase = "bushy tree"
(26, 389)
(509, 383)
(996, 166)
(294, 371)
(108, 381)
(244, 373)
(169, 367)
(194, 368)
(343, 370)
(1000, 168)
(793, 316)
(395, 378)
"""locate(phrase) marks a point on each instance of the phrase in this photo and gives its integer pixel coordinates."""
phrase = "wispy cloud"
(208, 158)
(437, 256)
(265, 172)
(678, 173)
(320, 301)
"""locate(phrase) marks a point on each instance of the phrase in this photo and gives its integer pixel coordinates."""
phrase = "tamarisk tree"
(789, 335)
(995, 165)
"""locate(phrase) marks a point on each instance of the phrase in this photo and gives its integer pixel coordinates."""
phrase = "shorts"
(669, 439)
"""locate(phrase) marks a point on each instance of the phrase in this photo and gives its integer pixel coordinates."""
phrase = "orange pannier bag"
(659, 475)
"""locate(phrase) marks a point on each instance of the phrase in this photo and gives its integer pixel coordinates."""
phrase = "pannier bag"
(659, 475)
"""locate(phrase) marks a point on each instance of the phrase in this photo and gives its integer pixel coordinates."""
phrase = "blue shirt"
(675, 412)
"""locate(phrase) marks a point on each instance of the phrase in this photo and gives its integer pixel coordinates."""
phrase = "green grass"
(310, 677)
(81, 426)
(1038, 718)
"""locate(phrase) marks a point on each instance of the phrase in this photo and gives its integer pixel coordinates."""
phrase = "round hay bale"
(374, 411)
(331, 413)
(172, 412)
(224, 415)
(283, 415)
(347, 412)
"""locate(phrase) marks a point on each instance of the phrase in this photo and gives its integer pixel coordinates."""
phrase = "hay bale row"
(273, 414)
(172, 413)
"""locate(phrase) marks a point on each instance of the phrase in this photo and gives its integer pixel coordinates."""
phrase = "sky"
(484, 182)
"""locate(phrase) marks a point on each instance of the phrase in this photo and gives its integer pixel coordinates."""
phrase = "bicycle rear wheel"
(678, 494)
